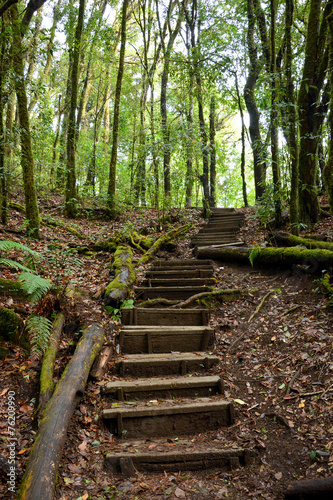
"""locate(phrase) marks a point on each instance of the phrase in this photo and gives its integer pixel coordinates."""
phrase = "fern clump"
(39, 331)
(34, 286)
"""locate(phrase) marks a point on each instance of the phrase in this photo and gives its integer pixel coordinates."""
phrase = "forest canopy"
(167, 103)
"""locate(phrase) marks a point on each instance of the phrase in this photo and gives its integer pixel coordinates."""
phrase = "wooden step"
(150, 339)
(177, 282)
(153, 365)
(178, 460)
(166, 292)
(153, 388)
(222, 210)
(213, 237)
(187, 273)
(169, 418)
(160, 317)
(189, 263)
(218, 230)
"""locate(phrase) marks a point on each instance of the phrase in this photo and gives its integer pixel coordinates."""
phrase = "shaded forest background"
(167, 103)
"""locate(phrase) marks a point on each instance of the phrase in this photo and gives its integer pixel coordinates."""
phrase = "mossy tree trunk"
(311, 108)
(111, 203)
(328, 169)
(292, 121)
(118, 290)
(27, 161)
(212, 165)
(3, 183)
(71, 191)
(259, 165)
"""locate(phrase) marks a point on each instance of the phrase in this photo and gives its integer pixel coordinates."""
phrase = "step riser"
(179, 282)
(150, 342)
(161, 317)
(182, 264)
(165, 394)
(174, 462)
(168, 293)
(194, 273)
(172, 423)
(158, 368)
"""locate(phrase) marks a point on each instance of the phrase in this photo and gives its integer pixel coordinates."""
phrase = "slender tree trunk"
(55, 143)
(259, 164)
(189, 154)
(27, 161)
(243, 143)
(292, 121)
(140, 187)
(3, 180)
(111, 204)
(212, 166)
(274, 122)
(71, 191)
(154, 148)
(328, 169)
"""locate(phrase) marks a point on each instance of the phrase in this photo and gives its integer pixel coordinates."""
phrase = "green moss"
(9, 325)
(12, 288)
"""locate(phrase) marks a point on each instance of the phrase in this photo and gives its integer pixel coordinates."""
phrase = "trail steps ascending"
(222, 229)
(166, 389)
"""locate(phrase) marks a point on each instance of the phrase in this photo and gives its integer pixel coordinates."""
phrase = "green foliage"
(39, 330)
(254, 252)
(34, 286)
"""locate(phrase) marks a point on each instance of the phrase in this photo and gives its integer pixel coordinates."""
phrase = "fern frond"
(254, 252)
(14, 245)
(35, 286)
(14, 265)
(39, 330)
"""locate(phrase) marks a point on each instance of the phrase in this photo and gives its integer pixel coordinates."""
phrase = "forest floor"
(277, 368)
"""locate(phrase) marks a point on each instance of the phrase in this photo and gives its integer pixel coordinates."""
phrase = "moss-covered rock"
(9, 325)
(12, 288)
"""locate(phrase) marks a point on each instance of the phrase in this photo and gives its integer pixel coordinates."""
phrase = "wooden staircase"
(221, 229)
(164, 387)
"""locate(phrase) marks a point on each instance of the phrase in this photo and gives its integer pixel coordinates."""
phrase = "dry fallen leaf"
(179, 493)
(144, 486)
(278, 475)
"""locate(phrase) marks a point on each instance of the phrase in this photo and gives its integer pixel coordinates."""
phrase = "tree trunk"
(71, 191)
(111, 203)
(311, 112)
(41, 471)
(212, 166)
(27, 161)
(3, 180)
(292, 122)
(328, 169)
(259, 164)
(118, 290)
(243, 143)
(274, 121)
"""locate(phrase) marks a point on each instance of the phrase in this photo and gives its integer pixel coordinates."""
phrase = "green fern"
(254, 252)
(14, 245)
(14, 265)
(35, 286)
(39, 329)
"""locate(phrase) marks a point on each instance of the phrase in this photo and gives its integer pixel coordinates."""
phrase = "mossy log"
(314, 259)
(119, 289)
(163, 240)
(41, 471)
(46, 375)
(310, 489)
(12, 289)
(288, 240)
(9, 325)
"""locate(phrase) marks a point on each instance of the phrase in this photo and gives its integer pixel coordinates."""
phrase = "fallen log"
(284, 239)
(46, 375)
(41, 471)
(119, 289)
(207, 295)
(163, 240)
(310, 489)
(314, 259)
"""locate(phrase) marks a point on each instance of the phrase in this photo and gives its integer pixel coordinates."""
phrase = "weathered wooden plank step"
(179, 460)
(149, 339)
(170, 418)
(187, 273)
(222, 210)
(160, 317)
(166, 292)
(154, 365)
(218, 230)
(177, 282)
(166, 388)
(213, 237)
(188, 263)
(225, 223)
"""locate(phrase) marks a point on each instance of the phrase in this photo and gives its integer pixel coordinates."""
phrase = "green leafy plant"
(39, 330)
(32, 284)
(254, 252)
